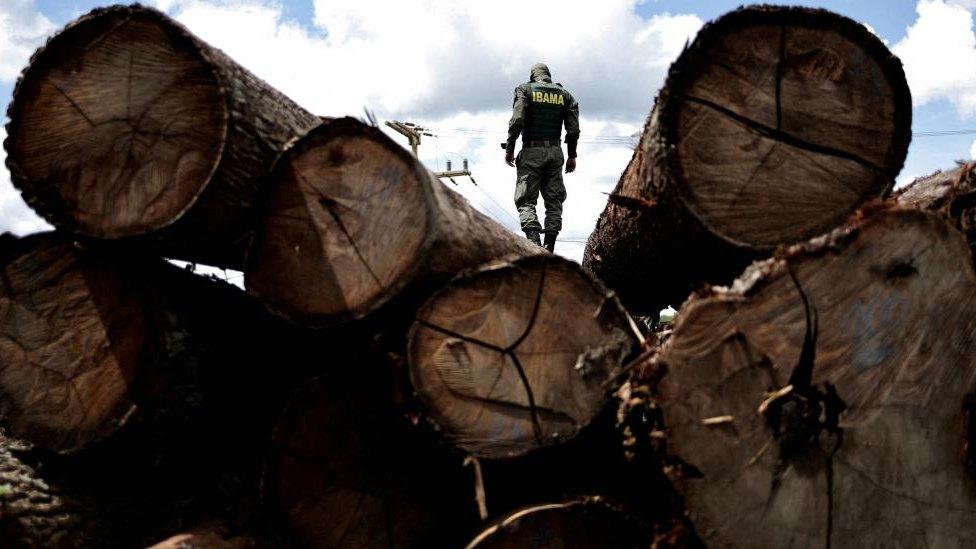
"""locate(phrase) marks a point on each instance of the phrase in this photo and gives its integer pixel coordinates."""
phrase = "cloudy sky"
(451, 65)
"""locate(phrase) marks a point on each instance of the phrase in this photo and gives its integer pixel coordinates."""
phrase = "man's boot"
(551, 242)
(533, 236)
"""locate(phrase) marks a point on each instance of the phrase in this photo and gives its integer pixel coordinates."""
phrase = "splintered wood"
(873, 428)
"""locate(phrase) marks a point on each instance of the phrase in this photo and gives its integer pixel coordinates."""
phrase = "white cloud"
(972, 151)
(436, 58)
(22, 30)
(939, 54)
(15, 216)
(453, 64)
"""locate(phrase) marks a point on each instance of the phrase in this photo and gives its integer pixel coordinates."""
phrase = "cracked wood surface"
(773, 126)
(355, 222)
(126, 124)
(581, 524)
(894, 302)
(74, 331)
(518, 356)
(347, 470)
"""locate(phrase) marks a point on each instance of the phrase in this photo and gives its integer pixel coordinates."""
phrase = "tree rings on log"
(518, 356)
(125, 121)
(346, 471)
(773, 126)
(354, 221)
(784, 121)
(581, 524)
(823, 398)
(73, 333)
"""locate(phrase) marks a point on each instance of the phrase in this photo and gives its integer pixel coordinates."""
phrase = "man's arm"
(515, 125)
(571, 121)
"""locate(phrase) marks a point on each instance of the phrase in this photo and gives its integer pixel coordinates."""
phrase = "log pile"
(402, 371)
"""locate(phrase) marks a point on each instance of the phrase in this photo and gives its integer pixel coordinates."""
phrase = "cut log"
(125, 124)
(74, 330)
(823, 399)
(90, 343)
(355, 222)
(581, 524)
(519, 355)
(773, 126)
(347, 470)
(951, 194)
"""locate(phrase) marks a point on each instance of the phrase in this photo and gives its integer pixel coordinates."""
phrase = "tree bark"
(584, 523)
(346, 469)
(356, 223)
(773, 126)
(126, 126)
(822, 400)
(519, 355)
(951, 194)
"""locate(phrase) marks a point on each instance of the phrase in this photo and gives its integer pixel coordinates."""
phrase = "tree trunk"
(583, 524)
(356, 222)
(125, 125)
(824, 400)
(347, 470)
(773, 126)
(519, 355)
(951, 194)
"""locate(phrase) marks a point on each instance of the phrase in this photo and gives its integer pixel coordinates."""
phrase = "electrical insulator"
(448, 165)
(465, 164)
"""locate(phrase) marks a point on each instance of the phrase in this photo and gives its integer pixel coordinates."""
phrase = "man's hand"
(510, 158)
(571, 165)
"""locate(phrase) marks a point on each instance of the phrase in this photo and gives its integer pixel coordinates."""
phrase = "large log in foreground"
(519, 355)
(125, 124)
(826, 398)
(355, 222)
(773, 126)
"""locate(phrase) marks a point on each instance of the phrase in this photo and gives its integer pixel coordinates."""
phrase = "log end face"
(346, 226)
(518, 357)
(117, 125)
(892, 332)
(784, 123)
(73, 339)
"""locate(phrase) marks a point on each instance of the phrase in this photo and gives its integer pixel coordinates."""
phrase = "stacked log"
(773, 126)
(127, 126)
(428, 378)
(826, 381)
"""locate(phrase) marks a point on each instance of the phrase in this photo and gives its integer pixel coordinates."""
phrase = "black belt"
(539, 143)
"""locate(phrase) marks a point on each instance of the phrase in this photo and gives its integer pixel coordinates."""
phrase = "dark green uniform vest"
(546, 110)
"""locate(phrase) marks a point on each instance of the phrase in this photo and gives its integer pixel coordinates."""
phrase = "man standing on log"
(540, 110)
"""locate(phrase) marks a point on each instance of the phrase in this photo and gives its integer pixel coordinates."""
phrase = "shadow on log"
(148, 393)
(518, 355)
(125, 124)
(827, 390)
(356, 222)
(773, 126)
(588, 523)
(347, 470)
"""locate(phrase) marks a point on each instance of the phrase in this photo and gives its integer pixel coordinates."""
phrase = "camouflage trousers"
(540, 170)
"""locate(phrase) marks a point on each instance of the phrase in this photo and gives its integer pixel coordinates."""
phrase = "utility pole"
(413, 132)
